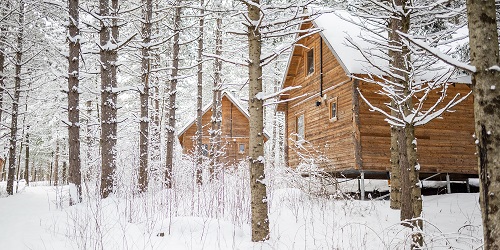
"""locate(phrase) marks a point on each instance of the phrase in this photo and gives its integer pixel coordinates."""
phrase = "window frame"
(332, 118)
(239, 148)
(311, 50)
(299, 137)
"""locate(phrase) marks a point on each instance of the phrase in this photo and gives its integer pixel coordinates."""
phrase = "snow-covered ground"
(39, 218)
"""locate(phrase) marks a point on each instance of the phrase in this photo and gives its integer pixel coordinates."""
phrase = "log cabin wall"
(329, 141)
(443, 145)
(235, 132)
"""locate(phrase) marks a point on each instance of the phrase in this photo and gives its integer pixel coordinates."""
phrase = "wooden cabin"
(235, 130)
(327, 123)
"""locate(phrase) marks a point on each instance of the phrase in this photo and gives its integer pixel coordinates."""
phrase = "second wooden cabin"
(328, 124)
(235, 130)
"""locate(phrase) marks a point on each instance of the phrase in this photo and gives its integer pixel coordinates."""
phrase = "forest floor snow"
(37, 218)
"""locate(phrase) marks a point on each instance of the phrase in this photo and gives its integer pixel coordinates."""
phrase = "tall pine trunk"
(484, 51)
(215, 136)
(3, 54)
(75, 177)
(172, 97)
(109, 54)
(56, 164)
(146, 72)
(259, 208)
(27, 158)
(15, 101)
(199, 98)
(405, 188)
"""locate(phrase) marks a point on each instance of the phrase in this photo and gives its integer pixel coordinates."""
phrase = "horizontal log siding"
(330, 141)
(443, 145)
(235, 131)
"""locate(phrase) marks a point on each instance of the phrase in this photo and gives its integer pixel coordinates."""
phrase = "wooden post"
(448, 184)
(362, 185)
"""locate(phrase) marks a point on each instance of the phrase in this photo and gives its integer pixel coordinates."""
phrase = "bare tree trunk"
(172, 97)
(259, 209)
(395, 169)
(35, 172)
(56, 165)
(51, 167)
(18, 167)
(3, 54)
(409, 192)
(109, 54)
(3, 30)
(27, 158)
(215, 136)
(398, 67)
(156, 128)
(484, 54)
(199, 104)
(15, 101)
(89, 140)
(146, 72)
(64, 173)
(75, 177)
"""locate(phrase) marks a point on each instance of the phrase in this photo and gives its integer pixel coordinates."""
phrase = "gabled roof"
(207, 107)
(341, 29)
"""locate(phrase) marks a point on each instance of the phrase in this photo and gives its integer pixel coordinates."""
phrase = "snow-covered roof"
(207, 107)
(344, 33)
(338, 28)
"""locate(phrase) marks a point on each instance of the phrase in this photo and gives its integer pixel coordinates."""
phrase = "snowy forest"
(249, 124)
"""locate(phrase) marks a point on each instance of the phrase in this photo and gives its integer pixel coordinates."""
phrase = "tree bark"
(56, 165)
(409, 192)
(75, 177)
(89, 139)
(259, 209)
(15, 101)
(395, 169)
(215, 134)
(64, 172)
(484, 51)
(27, 158)
(199, 99)
(172, 97)
(155, 150)
(146, 72)
(3, 54)
(109, 54)
(398, 67)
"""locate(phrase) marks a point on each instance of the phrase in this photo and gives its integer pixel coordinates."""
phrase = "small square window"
(241, 148)
(299, 127)
(310, 61)
(333, 109)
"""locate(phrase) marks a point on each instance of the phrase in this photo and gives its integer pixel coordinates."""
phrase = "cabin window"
(299, 127)
(310, 61)
(333, 109)
(241, 148)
